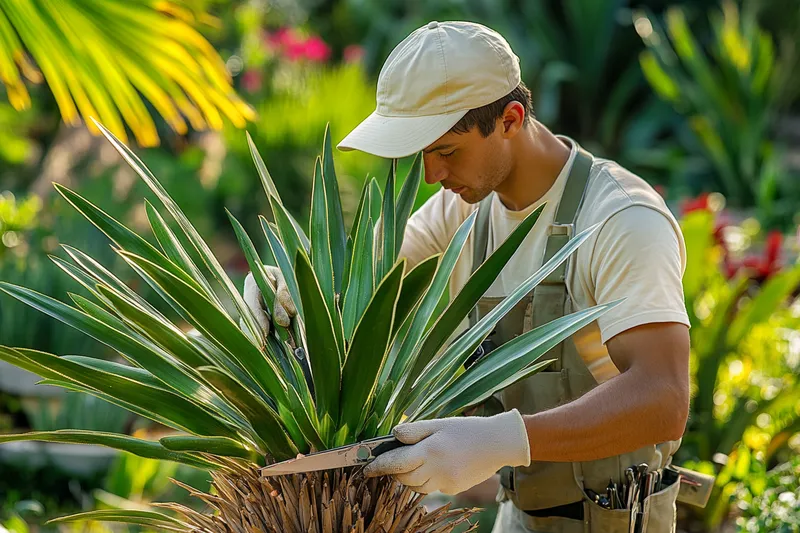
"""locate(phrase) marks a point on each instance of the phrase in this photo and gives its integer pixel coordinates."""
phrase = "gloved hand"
(284, 306)
(452, 455)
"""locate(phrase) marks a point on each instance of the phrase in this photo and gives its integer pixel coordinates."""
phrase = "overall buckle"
(562, 229)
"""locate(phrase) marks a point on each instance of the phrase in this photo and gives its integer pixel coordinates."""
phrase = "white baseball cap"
(429, 82)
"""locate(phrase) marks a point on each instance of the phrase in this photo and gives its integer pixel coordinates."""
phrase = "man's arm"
(638, 257)
(647, 403)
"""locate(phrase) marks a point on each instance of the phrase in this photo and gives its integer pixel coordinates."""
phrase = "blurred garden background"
(701, 98)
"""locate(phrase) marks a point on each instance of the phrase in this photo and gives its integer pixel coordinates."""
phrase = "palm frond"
(106, 59)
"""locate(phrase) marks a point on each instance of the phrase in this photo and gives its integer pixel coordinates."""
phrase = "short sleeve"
(640, 256)
(431, 227)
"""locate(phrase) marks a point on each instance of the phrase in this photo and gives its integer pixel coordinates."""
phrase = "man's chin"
(472, 196)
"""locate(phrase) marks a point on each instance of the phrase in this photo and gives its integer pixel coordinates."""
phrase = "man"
(618, 394)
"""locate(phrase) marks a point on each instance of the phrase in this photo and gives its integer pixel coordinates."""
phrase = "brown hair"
(485, 118)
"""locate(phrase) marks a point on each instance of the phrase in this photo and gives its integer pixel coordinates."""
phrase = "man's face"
(468, 163)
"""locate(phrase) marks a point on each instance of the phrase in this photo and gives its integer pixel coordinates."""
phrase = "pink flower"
(317, 50)
(294, 47)
(280, 37)
(251, 80)
(353, 53)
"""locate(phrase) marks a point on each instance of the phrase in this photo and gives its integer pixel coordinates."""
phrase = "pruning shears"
(357, 454)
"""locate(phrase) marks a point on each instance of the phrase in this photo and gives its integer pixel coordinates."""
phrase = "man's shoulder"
(613, 188)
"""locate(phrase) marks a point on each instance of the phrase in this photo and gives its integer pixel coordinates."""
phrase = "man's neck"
(540, 156)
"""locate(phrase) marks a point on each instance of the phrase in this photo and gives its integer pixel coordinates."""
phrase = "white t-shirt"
(638, 253)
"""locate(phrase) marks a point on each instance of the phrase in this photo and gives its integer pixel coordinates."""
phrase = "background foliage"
(698, 98)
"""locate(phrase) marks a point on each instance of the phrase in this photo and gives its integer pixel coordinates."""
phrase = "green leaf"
(291, 235)
(378, 407)
(415, 283)
(698, 233)
(77, 387)
(363, 200)
(104, 276)
(375, 200)
(351, 239)
(175, 252)
(171, 406)
(319, 228)
(147, 519)
(327, 430)
(773, 294)
(367, 353)
(254, 262)
(265, 421)
(405, 202)
(501, 367)
(144, 353)
(293, 428)
(95, 311)
(476, 397)
(387, 225)
(132, 373)
(142, 448)
(338, 242)
(405, 356)
(476, 286)
(467, 343)
(221, 446)
(359, 286)
(323, 349)
(119, 234)
(217, 327)
(306, 418)
(162, 332)
(263, 173)
(87, 281)
(191, 233)
(348, 253)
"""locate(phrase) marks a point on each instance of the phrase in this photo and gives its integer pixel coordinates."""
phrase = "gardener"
(618, 393)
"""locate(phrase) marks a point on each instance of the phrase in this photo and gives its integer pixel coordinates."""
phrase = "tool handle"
(386, 446)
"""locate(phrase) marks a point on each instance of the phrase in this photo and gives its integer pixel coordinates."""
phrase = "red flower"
(695, 204)
(760, 267)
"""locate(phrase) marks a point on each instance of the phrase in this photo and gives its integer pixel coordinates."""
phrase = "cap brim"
(395, 137)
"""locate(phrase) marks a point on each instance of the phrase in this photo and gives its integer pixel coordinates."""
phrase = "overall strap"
(560, 232)
(550, 296)
(480, 244)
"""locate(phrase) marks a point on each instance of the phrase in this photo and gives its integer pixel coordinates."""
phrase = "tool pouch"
(658, 511)
(659, 508)
(606, 520)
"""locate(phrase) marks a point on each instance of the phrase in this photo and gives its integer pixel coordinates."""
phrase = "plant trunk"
(333, 501)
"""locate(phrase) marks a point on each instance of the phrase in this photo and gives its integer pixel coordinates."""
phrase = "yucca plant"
(365, 344)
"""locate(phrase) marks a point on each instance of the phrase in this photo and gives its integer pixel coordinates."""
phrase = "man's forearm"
(618, 416)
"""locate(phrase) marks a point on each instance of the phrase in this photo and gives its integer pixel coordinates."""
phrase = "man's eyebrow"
(438, 147)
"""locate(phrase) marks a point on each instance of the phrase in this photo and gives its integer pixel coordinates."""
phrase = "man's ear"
(513, 119)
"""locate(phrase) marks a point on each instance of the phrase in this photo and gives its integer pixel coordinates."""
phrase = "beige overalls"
(554, 492)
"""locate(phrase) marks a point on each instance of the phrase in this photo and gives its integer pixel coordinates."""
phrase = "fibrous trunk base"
(332, 501)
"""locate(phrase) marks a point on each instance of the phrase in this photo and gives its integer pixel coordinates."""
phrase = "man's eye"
(447, 154)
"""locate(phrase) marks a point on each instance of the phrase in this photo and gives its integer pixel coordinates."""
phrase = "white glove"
(452, 455)
(284, 306)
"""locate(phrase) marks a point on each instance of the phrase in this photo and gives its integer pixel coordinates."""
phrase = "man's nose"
(434, 172)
